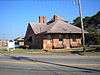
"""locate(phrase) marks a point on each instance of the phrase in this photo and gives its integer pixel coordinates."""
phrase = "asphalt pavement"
(49, 65)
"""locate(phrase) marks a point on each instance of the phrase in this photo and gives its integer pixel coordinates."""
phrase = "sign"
(11, 44)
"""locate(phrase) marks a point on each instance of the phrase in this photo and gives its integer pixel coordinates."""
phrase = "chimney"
(42, 19)
(56, 18)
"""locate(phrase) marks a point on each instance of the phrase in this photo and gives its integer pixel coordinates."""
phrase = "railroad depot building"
(54, 34)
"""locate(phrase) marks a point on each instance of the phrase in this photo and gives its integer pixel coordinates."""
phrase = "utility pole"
(81, 19)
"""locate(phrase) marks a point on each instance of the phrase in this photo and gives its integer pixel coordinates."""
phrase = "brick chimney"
(56, 18)
(42, 19)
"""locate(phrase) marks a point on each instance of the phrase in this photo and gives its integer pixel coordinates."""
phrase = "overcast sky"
(15, 14)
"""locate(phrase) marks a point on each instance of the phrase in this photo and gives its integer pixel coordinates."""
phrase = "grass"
(20, 51)
(40, 51)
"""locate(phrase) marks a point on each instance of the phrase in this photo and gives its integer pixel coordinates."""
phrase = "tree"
(91, 24)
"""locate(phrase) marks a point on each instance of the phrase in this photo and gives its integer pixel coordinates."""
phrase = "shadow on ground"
(89, 70)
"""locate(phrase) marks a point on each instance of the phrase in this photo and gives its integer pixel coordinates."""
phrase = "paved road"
(49, 65)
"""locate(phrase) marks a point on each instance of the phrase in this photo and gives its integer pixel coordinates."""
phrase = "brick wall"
(56, 43)
(3, 43)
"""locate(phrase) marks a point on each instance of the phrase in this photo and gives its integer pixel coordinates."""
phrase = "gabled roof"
(57, 26)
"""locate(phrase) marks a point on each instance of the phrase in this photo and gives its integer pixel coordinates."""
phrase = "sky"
(15, 14)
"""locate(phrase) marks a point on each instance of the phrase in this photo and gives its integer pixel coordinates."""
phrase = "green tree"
(91, 24)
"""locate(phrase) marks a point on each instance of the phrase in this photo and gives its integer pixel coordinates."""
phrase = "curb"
(17, 62)
(27, 62)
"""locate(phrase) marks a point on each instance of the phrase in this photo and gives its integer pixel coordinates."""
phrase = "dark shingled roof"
(58, 26)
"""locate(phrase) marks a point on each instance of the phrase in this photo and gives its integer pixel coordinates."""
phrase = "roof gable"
(29, 31)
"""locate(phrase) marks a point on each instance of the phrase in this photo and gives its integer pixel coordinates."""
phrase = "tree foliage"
(91, 24)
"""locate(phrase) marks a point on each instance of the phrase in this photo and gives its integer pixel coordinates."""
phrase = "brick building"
(3, 43)
(55, 34)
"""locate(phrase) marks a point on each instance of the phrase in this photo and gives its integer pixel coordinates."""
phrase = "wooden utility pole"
(81, 19)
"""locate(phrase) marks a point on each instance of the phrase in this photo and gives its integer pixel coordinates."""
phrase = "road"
(49, 65)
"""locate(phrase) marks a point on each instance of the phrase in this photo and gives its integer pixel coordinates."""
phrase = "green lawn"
(20, 51)
(4, 51)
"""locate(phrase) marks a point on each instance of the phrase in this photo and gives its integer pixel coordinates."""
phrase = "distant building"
(55, 34)
(3, 43)
(19, 41)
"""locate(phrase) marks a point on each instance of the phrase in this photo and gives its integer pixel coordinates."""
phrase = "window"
(30, 39)
(74, 38)
(49, 37)
(60, 37)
